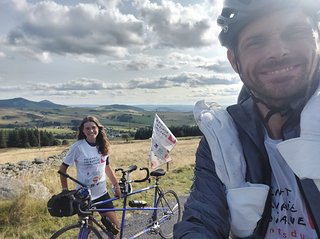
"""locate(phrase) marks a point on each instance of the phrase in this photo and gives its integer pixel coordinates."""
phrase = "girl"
(90, 155)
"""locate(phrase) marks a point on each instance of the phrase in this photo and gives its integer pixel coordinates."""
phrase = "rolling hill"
(20, 112)
(21, 103)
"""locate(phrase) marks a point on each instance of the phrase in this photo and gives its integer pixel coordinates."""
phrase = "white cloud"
(74, 85)
(101, 29)
(78, 93)
(136, 63)
(20, 5)
(185, 79)
(218, 66)
(120, 48)
(79, 29)
(194, 79)
(2, 54)
(117, 93)
(172, 25)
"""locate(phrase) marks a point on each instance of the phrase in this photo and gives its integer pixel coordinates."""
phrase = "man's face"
(277, 54)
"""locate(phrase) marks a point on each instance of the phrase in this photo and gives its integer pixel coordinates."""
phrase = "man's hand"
(246, 201)
(222, 136)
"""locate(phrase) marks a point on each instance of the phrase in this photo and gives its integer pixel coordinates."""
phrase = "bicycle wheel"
(169, 214)
(75, 231)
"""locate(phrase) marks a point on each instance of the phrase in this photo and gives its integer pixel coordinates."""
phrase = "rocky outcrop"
(10, 188)
(12, 174)
(13, 170)
(39, 191)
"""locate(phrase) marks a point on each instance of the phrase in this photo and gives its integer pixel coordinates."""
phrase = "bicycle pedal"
(137, 203)
(154, 230)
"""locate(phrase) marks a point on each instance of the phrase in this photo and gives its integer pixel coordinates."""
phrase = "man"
(274, 46)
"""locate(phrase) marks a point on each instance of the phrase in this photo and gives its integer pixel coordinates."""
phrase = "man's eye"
(254, 43)
(299, 32)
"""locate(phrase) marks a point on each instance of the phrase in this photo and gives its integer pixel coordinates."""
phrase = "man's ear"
(232, 59)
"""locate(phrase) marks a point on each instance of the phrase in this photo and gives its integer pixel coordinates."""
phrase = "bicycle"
(165, 212)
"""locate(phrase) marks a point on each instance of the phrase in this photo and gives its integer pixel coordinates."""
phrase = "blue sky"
(114, 52)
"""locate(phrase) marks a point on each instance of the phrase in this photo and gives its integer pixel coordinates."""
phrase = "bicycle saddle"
(158, 172)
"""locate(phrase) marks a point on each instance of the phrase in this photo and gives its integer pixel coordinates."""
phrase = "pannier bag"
(62, 204)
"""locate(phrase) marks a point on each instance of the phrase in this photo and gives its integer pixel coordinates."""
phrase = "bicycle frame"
(86, 215)
(124, 209)
(84, 229)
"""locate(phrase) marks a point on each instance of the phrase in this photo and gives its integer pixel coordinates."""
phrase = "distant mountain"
(167, 108)
(159, 108)
(21, 103)
(117, 107)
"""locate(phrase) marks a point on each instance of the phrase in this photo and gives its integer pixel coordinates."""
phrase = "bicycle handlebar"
(144, 179)
(129, 170)
(133, 168)
(73, 179)
(81, 211)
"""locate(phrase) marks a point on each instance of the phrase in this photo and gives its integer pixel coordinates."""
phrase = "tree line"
(178, 131)
(25, 138)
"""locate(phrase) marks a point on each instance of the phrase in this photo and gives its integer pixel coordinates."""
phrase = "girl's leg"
(113, 218)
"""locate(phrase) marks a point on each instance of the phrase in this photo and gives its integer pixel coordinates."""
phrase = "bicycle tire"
(168, 217)
(72, 232)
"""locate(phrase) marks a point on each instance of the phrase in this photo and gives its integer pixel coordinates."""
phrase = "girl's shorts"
(103, 205)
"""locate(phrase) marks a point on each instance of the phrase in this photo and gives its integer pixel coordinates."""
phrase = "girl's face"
(90, 130)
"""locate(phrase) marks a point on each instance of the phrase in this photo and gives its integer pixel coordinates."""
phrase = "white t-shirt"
(90, 166)
(289, 214)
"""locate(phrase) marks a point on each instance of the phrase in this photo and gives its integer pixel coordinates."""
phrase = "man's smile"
(284, 71)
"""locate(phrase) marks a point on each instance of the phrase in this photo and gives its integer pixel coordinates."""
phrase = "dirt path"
(132, 223)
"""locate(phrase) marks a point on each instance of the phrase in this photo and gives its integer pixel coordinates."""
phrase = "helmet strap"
(287, 109)
(283, 111)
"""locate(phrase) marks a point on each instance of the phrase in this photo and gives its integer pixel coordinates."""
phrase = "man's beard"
(267, 90)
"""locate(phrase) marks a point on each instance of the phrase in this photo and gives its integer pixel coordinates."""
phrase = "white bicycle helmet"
(236, 14)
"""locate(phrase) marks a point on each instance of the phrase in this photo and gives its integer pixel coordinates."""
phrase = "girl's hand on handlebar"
(116, 190)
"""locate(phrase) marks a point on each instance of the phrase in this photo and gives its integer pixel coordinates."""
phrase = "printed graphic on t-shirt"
(91, 161)
(287, 221)
(90, 166)
(103, 159)
(289, 216)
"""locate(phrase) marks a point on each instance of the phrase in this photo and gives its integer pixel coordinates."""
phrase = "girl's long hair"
(102, 141)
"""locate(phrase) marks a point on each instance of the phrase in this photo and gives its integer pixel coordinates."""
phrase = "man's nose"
(278, 48)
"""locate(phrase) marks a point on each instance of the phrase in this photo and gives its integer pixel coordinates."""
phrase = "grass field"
(14, 155)
(24, 217)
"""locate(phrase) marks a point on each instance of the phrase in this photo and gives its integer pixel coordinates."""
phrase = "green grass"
(27, 218)
(58, 130)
